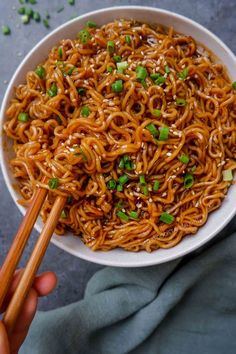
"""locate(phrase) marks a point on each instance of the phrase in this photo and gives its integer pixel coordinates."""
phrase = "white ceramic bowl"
(217, 220)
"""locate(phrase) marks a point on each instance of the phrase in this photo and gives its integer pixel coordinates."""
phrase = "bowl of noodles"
(130, 112)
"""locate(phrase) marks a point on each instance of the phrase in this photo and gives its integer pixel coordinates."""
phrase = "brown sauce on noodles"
(136, 124)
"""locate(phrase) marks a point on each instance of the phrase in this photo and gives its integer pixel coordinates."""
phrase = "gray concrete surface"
(73, 273)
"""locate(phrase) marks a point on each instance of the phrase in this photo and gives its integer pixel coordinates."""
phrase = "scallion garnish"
(154, 76)
(122, 215)
(152, 129)
(156, 186)
(234, 85)
(32, 2)
(53, 90)
(167, 69)
(46, 23)
(71, 2)
(117, 86)
(6, 30)
(63, 214)
(25, 19)
(85, 111)
(111, 184)
(53, 183)
(119, 188)
(119, 205)
(23, 117)
(109, 69)
(164, 133)
(110, 46)
(123, 179)
(29, 12)
(47, 15)
(117, 58)
(145, 190)
(40, 71)
(184, 159)
(227, 175)
(84, 36)
(81, 91)
(183, 74)
(160, 80)
(70, 71)
(133, 215)
(141, 73)
(21, 10)
(60, 52)
(128, 39)
(188, 180)
(91, 24)
(121, 163)
(60, 9)
(142, 180)
(122, 66)
(167, 218)
(156, 112)
(36, 16)
(180, 102)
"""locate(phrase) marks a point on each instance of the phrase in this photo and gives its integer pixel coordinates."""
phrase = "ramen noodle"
(135, 124)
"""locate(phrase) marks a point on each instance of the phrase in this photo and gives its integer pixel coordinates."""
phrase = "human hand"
(42, 286)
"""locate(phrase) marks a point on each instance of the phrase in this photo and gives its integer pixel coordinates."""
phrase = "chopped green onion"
(85, 111)
(110, 46)
(63, 214)
(37, 17)
(164, 133)
(69, 199)
(119, 188)
(119, 205)
(91, 24)
(81, 91)
(84, 36)
(184, 159)
(117, 58)
(117, 86)
(152, 129)
(183, 74)
(32, 2)
(25, 19)
(84, 157)
(47, 15)
(133, 215)
(143, 82)
(53, 90)
(234, 85)
(60, 9)
(53, 183)
(123, 179)
(128, 39)
(167, 218)
(6, 30)
(227, 175)
(21, 2)
(60, 52)
(29, 12)
(111, 184)
(126, 158)
(156, 112)
(142, 180)
(129, 165)
(122, 216)
(109, 69)
(70, 71)
(193, 169)
(23, 117)
(145, 190)
(167, 69)
(141, 73)
(160, 80)
(188, 180)
(154, 76)
(156, 186)
(21, 10)
(122, 66)
(40, 71)
(180, 102)
(121, 163)
(71, 2)
(46, 23)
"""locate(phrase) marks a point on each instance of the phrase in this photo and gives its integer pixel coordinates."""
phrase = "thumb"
(4, 343)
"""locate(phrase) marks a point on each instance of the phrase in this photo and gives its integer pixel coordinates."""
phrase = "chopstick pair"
(16, 250)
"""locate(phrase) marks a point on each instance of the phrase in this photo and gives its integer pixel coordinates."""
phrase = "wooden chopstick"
(19, 243)
(26, 281)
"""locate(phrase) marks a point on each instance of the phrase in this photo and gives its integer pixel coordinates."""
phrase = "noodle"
(135, 124)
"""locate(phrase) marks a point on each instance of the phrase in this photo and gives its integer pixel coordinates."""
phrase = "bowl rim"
(55, 240)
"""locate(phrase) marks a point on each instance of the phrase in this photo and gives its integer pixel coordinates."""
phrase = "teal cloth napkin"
(186, 306)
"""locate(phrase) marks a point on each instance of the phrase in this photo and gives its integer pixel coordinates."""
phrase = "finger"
(13, 287)
(24, 320)
(45, 283)
(4, 343)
